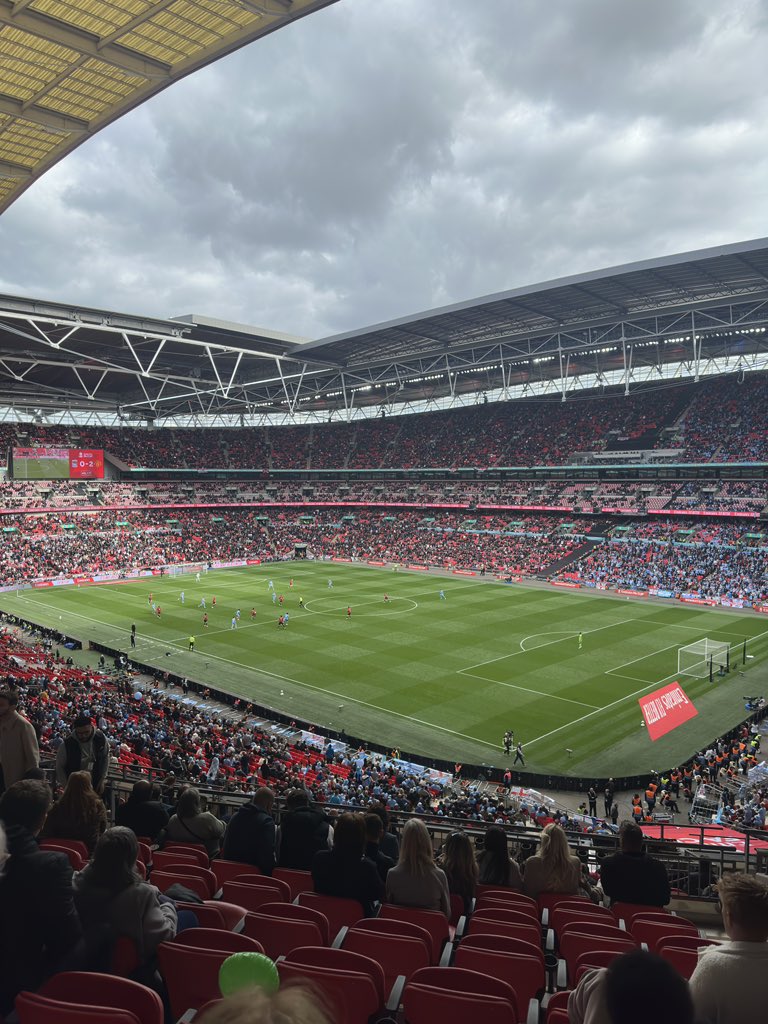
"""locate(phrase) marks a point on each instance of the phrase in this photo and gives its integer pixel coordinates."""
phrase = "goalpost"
(704, 659)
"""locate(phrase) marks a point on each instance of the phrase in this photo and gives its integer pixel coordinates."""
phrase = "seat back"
(208, 914)
(191, 975)
(393, 926)
(37, 1009)
(280, 887)
(626, 912)
(574, 944)
(94, 989)
(682, 941)
(562, 915)
(226, 870)
(324, 957)
(506, 914)
(251, 897)
(294, 912)
(77, 862)
(598, 930)
(527, 932)
(431, 920)
(397, 954)
(683, 960)
(454, 995)
(298, 881)
(594, 959)
(491, 902)
(164, 859)
(502, 944)
(67, 844)
(195, 850)
(340, 912)
(281, 935)
(650, 932)
(524, 973)
(549, 900)
(218, 939)
(145, 853)
(165, 879)
(350, 998)
(198, 872)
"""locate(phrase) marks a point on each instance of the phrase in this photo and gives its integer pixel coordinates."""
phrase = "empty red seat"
(196, 851)
(452, 995)
(353, 985)
(399, 955)
(431, 920)
(683, 960)
(37, 1009)
(341, 913)
(651, 932)
(299, 881)
(191, 975)
(92, 989)
(226, 870)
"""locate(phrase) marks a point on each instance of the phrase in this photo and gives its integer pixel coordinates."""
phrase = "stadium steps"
(562, 563)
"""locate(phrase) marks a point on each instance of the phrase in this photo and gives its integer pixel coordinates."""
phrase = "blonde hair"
(298, 1003)
(416, 853)
(745, 903)
(555, 853)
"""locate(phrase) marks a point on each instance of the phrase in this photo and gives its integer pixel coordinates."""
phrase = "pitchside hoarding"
(666, 709)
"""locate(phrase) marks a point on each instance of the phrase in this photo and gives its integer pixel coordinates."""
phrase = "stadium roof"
(644, 324)
(70, 67)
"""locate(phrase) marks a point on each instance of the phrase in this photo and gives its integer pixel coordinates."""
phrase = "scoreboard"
(57, 464)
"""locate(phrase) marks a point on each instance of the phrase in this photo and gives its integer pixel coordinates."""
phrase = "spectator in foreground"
(638, 987)
(18, 742)
(345, 870)
(415, 881)
(630, 876)
(251, 833)
(191, 824)
(458, 862)
(553, 868)
(293, 1004)
(109, 891)
(729, 982)
(303, 831)
(38, 921)
(142, 813)
(495, 865)
(78, 813)
(85, 749)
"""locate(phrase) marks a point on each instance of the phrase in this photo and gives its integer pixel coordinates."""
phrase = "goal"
(704, 659)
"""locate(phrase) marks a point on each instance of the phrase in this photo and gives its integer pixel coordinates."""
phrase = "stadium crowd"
(716, 420)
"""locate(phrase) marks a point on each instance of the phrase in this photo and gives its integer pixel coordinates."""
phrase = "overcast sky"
(382, 157)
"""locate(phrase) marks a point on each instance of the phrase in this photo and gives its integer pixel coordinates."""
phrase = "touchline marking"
(570, 725)
(345, 696)
(540, 693)
(516, 654)
(297, 682)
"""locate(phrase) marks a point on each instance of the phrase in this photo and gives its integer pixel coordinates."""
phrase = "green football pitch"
(440, 678)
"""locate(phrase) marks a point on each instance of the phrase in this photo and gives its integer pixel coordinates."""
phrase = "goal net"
(704, 659)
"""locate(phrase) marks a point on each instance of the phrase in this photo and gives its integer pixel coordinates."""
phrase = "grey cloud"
(376, 159)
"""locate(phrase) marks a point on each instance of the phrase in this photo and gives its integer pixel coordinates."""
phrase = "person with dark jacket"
(85, 749)
(303, 831)
(345, 870)
(251, 833)
(39, 925)
(374, 832)
(632, 877)
(142, 813)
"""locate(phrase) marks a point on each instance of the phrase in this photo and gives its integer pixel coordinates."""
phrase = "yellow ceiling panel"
(70, 67)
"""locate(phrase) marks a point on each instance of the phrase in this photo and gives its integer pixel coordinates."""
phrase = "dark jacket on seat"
(337, 875)
(302, 833)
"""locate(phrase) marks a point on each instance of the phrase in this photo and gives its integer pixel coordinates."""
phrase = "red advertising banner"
(666, 709)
